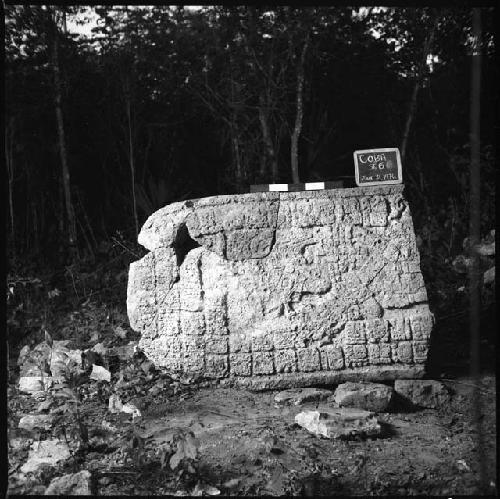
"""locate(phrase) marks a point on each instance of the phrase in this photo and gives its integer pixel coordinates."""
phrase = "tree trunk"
(9, 162)
(294, 150)
(266, 135)
(474, 237)
(62, 140)
(236, 154)
(234, 132)
(131, 155)
(416, 88)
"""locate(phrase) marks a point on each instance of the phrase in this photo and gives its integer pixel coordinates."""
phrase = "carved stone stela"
(278, 289)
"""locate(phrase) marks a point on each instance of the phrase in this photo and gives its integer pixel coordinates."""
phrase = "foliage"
(180, 451)
(204, 102)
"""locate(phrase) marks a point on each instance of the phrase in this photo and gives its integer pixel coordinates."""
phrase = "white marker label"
(278, 187)
(313, 186)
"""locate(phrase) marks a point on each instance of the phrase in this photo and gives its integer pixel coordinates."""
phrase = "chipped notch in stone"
(183, 243)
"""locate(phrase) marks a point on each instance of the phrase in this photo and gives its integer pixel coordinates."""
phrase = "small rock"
(369, 396)
(34, 384)
(339, 423)
(75, 484)
(17, 444)
(45, 452)
(233, 482)
(131, 409)
(114, 404)
(100, 373)
(297, 396)
(36, 421)
(423, 392)
(205, 489)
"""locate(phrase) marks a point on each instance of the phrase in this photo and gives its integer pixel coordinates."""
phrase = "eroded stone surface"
(423, 392)
(370, 396)
(339, 423)
(273, 290)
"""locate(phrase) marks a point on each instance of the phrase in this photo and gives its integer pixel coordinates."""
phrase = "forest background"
(159, 104)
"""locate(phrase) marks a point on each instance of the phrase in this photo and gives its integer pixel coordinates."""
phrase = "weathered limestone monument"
(282, 289)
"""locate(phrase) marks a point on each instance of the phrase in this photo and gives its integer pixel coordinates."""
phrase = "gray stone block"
(369, 396)
(422, 392)
(283, 289)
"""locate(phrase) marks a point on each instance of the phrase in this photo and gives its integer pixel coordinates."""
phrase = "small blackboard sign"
(378, 166)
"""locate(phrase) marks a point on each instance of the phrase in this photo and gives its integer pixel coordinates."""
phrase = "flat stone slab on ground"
(297, 396)
(369, 396)
(339, 423)
(423, 392)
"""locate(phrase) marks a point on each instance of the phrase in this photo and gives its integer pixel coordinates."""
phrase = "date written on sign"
(378, 166)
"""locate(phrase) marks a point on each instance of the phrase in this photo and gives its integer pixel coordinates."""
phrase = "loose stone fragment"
(297, 396)
(100, 373)
(47, 452)
(75, 484)
(423, 392)
(339, 423)
(36, 421)
(283, 289)
(114, 404)
(34, 384)
(369, 396)
(130, 408)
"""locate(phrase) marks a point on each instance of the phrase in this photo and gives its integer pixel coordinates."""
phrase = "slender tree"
(418, 83)
(474, 233)
(294, 147)
(55, 15)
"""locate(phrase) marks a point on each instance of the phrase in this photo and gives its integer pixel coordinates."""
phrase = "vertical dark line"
(474, 237)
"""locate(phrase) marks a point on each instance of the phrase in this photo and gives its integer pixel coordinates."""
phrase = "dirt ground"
(249, 446)
(244, 436)
(245, 444)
